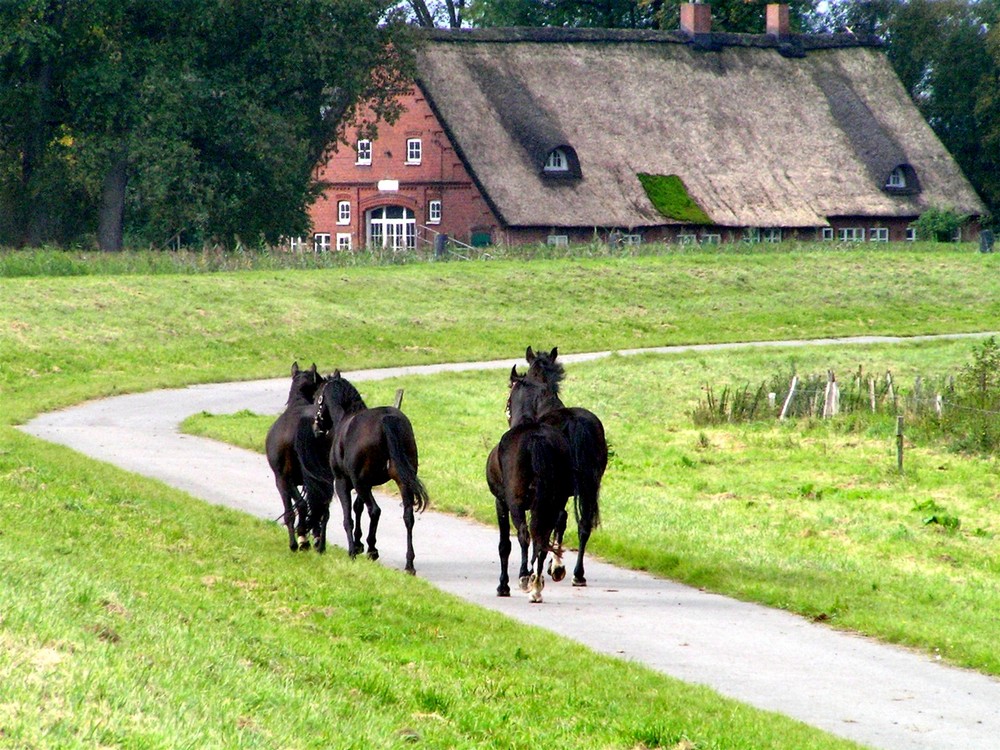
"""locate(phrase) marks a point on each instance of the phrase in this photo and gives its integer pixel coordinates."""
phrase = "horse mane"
(343, 393)
(544, 370)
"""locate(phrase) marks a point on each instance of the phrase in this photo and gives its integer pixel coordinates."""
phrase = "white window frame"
(826, 234)
(394, 233)
(630, 240)
(851, 234)
(911, 234)
(687, 239)
(771, 234)
(711, 239)
(296, 244)
(897, 178)
(321, 242)
(343, 212)
(344, 241)
(557, 240)
(434, 212)
(556, 161)
(414, 150)
(364, 149)
(878, 234)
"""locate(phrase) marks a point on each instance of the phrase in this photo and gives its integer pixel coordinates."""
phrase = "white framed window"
(414, 150)
(897, 178)
(711, 239)
(556, 161)
(364, 151)
(392, 227)
(826, 234)
(751, 235)
(558, 240)
(434, 212)
(851, 234)
(687, 239)
(911, 234)
(343, 240)
(344, 212)
(296, 244)
(321, 242)
(772, 234)
(878, 234)
(630, 239)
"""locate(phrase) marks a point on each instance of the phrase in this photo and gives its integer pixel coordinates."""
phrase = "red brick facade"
(412, 188)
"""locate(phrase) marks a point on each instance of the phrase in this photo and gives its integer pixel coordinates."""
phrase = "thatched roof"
(761, 131)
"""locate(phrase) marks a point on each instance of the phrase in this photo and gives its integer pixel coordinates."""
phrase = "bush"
(939, 224)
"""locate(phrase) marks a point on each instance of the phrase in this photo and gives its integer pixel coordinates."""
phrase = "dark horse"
(294, 425)
(529, 473)
(368, 447)
(535, 396)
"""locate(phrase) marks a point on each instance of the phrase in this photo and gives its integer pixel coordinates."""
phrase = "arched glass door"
(392, 227)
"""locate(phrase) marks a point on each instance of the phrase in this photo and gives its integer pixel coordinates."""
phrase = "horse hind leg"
(503, 521)
(583, 529)
(557, 569)
(287, 492)
(366, 498)
(302, 517)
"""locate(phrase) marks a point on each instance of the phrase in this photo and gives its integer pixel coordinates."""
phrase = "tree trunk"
(111, 221)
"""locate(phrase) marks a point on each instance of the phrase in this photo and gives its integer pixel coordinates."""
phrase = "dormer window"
(902, 181)
(561, 164)
(897, 179)
(557, 161)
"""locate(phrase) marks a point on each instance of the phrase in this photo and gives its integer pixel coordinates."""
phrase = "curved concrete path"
(878, 695)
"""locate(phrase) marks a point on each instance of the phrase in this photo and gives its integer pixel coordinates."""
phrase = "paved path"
(878, 695)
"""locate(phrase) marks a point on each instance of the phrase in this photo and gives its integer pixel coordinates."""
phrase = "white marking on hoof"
(524, 582)
(537, 584)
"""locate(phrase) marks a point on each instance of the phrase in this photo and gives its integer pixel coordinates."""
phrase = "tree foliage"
(190, 119)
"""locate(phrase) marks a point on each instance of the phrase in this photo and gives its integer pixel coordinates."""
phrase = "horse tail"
(314, 461)
(398, 437)
(547, 475)
(589, 452)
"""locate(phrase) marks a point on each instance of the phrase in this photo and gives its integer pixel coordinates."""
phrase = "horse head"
(336, 399)
(544, 370)
(527, 400)
(305, 383)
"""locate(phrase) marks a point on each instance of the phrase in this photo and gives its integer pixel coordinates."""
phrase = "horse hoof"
(579, 582)
(536, 597)
(558, 573)
(411, 571)
(523, 582)
(503, 591)
(304, 545)
(373, 554)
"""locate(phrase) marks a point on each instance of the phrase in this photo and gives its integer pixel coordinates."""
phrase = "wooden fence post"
(899, 443)
(788, 400)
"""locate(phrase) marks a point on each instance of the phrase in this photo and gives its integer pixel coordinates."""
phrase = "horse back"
(364, 451)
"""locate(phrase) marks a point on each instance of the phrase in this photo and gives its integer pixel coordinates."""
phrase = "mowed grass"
(811, 516)
(134, 616)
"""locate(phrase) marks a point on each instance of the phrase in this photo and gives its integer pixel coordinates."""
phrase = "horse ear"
(554, 353)
(529, 355)
(336, 374)
(295, 369)
(514, 377)
(313, 369)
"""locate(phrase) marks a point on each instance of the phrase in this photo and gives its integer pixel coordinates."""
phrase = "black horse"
(292, 426)
(368, 447)
(535, 396)
(530, 474)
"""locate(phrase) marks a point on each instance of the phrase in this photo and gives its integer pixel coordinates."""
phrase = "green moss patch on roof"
(669, 196)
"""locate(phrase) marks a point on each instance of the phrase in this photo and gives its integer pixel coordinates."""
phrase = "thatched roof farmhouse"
(531, 134)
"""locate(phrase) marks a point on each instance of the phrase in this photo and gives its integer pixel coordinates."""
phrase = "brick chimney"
(696, 18)
(777, 19)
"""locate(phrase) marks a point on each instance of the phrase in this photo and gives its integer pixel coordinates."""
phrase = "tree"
(191, 118)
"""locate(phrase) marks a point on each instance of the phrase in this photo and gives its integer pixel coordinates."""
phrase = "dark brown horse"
(530, 474)
(368, 447)
(294, 424)
(535, 396)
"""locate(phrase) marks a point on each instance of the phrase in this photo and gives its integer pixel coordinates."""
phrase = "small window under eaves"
(897, 178)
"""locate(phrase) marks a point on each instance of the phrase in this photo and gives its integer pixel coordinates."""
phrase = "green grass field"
(134, 616)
